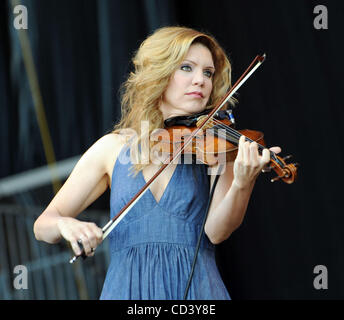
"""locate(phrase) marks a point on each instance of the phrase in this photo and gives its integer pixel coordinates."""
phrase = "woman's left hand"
(248, 163)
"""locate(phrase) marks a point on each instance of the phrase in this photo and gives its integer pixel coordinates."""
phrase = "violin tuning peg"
(287, 157)
(266, 169)
(276, 178)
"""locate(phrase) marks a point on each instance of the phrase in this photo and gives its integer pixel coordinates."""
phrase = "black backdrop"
(82, 50)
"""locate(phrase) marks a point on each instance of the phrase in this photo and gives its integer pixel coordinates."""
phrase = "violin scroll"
(285, 172)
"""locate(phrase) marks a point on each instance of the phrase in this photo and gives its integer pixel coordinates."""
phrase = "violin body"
(217, 142)
(206, 147)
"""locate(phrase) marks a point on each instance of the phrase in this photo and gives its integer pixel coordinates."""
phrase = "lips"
(196, 94)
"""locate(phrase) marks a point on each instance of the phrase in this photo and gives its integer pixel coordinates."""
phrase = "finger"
(75, 247)
(92, 252)
(265, 159)
(240, 147)
(275, 149)
(92, 239)
(246, 152)
(83, 239)
(97, 232)
(254, 156)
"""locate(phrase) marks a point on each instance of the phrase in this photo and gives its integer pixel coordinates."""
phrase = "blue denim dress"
(152, 248)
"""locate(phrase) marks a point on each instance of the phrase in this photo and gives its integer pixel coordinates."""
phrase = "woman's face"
(190, 86)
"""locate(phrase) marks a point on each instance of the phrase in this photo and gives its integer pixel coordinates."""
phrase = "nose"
(198, 79)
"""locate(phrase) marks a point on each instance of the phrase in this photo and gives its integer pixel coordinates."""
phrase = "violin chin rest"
(188, 121)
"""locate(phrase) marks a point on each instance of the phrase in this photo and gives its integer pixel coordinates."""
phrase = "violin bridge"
(200, 119)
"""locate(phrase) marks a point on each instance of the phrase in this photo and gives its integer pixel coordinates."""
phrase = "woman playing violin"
(177, 72)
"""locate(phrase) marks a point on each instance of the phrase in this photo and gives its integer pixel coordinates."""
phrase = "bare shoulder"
(104, 148)
(103, 153)
(112, 140)
(110, 146)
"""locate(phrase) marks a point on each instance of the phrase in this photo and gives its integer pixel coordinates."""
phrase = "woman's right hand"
(88, 233)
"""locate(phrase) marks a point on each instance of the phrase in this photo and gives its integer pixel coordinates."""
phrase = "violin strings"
(230, 132)
(237, 135)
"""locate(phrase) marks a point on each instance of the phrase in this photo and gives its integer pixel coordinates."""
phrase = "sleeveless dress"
(152, 248)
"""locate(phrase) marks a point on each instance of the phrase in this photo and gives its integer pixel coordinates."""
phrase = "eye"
(208, 73)
(186, 67)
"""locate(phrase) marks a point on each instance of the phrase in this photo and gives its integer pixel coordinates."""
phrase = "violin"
(217, 141)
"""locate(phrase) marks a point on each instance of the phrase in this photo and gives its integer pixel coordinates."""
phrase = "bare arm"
(86, 183)
(228, 207)
(233, 191)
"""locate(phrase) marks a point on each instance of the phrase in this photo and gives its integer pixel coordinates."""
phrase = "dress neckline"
(164, 195)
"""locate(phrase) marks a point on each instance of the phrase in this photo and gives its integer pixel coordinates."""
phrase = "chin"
(194, 106)
(197, 109)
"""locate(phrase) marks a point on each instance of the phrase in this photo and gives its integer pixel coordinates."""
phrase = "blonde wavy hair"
(157, 58)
